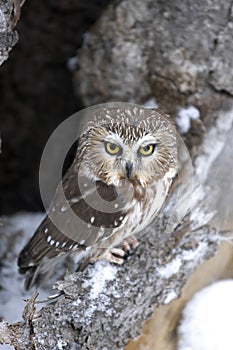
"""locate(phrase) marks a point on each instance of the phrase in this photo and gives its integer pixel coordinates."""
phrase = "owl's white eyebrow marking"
(92, 219)
(52, 242)
(82, 241)
(114, 138)
(147, 139)
(46, 230)
(49, 239)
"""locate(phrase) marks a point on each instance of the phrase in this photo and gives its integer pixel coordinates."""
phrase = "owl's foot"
(116, 256)
(119, 254)
(129, 244)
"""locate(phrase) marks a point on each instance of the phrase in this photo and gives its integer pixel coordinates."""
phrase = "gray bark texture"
(175, 52)
(9, 16)
(178, 52)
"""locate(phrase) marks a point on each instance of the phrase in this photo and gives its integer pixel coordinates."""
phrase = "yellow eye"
(146, 150)
(112, 149)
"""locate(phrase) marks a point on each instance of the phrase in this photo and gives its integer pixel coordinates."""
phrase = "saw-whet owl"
(127, 158)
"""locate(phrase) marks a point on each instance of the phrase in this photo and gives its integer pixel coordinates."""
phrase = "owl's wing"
(41, 252)
(74, 226)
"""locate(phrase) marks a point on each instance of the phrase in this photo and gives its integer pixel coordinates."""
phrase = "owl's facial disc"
(128, 160)
(115, 155)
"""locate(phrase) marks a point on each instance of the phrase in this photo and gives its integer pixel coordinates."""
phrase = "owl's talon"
(116, 256)
(118, 252)
(129, 244)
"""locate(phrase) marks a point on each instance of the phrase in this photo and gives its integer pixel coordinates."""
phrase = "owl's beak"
(129, 168)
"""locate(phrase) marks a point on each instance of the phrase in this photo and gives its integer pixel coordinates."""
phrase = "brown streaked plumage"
(123, 168)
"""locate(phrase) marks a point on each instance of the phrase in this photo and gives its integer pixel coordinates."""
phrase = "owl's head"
(138, 145)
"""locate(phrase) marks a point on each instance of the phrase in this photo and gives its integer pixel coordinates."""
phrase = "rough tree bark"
(9, 16)
(180, 53)
(175, 53)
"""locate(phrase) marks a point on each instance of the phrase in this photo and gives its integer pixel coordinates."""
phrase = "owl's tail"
(33, 261)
